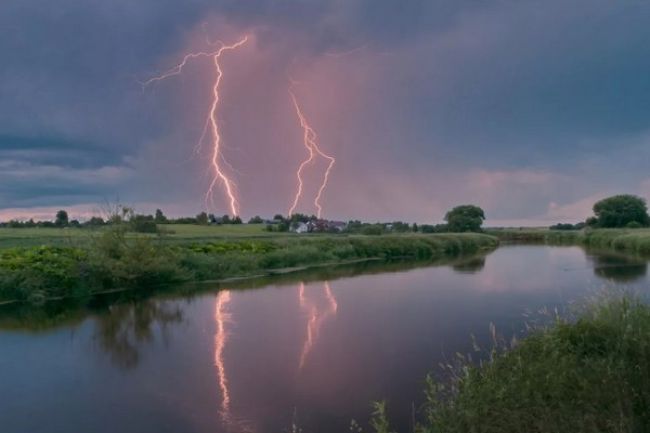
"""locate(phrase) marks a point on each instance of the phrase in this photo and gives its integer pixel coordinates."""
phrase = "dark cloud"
(507, 88)
(53, 152)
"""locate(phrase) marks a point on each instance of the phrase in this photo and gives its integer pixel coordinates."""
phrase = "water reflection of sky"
(316, 353)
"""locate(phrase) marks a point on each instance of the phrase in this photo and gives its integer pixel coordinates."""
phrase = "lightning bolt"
(310, 140)
(211, 124)
(316, 318)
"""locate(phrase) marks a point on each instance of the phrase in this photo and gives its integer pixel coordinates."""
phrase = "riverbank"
(629, 241)
(586, 375)
(26, 316)
(116, 259)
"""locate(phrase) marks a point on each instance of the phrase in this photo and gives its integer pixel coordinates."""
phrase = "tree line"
(619, 211)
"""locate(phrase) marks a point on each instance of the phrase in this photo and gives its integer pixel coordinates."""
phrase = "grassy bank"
(589, 375)
(116, 259)
(71, 311)
(538, 236)
(635, 241)
(631, 241)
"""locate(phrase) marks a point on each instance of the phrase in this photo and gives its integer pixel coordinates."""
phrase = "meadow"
(43, 264)
(39, 236)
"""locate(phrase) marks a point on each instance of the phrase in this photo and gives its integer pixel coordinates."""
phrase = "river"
(312, 353)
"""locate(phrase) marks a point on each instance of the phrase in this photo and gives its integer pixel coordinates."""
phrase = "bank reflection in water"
(471, 265)
(619, 268)
(122, 332)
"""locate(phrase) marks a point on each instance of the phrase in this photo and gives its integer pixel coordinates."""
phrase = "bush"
(567, 226)
(584, 376)
(620, 210)
(372, 230)
(466, 218)
(143, 224)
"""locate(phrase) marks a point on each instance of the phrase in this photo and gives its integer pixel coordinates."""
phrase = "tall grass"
(538, 236)
(633, 241)
(115, 259)
(587, 375)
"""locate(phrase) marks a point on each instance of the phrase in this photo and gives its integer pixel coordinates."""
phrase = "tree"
(143, 224)
(256, 220)
(400, 227)
(621, 210)
(160, 217)
(465, 218)
(95, 221)
(202, 219)
(302, 218)
(61, 219)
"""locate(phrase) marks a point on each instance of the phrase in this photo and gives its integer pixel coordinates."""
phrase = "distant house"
(301, 227)
(318, 226)
(327, 226)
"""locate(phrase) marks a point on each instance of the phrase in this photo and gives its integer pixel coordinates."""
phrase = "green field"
(23, 237)
(40, 264)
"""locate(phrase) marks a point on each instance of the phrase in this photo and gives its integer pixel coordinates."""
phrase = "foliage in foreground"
(590, 375)
(117, 260)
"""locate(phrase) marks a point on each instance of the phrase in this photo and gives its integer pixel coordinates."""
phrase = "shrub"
(620, 210)
(583, 376)
(466, 218)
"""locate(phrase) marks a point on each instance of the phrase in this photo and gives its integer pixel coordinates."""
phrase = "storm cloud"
(530, 109)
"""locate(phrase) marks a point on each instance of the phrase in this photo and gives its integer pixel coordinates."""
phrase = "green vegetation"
(41, 316)
(465, 218)
(61, 219)
(173, 233)
(538, 236)
(632, 241)
(621, 211)
(588, 375)
(628, 241)
(117, 258)
(568, 226)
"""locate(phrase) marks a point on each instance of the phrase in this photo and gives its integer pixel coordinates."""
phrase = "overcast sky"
(531, 109)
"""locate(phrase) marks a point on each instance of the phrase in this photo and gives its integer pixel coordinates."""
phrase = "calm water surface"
(256, 360)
